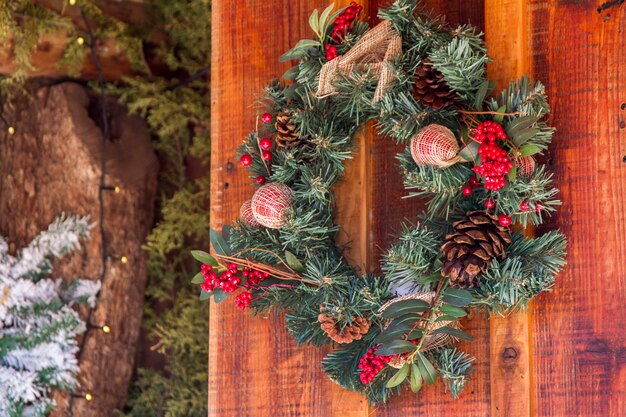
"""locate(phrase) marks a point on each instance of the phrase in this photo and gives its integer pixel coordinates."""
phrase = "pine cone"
(430, 88)
(354, 331)
(476, 240)
(286, 132)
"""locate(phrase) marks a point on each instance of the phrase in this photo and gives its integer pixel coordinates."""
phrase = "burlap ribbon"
(372, 54)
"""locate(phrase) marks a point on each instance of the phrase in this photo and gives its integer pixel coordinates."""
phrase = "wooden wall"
(564, 357)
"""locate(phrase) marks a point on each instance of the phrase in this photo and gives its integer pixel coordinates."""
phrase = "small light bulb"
(88, 397)
(72, 2)
(124, 260)
(80, 40)
(117, 190)
(11, 130)
(106, 329)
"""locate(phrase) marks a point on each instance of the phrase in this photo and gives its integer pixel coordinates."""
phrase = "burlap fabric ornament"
(431, 341)
(270, 204)
(246, 215)
(373, 54)
(358, 327)
(435, 145)
(525, 165)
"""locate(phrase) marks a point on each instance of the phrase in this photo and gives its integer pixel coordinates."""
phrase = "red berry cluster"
(228, 280)
(342, 24)
(371, 365)
(243, 300)
(253, 277)
(495, 163)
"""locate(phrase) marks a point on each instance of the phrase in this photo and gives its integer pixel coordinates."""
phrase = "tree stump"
(52, 165)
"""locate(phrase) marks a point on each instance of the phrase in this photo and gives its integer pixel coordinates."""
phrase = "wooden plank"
(578, 336)
(510, 376)
(255, 367)
(434, 401)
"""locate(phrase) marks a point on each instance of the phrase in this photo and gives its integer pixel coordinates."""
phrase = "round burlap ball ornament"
(246, 215)
(270, 204)
(435, 145)
(525, 165)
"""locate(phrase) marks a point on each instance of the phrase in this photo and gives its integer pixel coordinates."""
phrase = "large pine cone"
(286, 130)
(476, 240)
(354, 331)
(430, 88)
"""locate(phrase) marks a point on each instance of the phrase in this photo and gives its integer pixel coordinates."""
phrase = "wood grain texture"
(510, 372)
(579, 344)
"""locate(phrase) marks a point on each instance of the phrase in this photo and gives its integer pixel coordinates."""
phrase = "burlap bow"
(372, 53)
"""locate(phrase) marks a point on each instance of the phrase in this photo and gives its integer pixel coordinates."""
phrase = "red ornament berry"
(539, 206)
(466, 190)
(243, 300)
(524, 206)
(267, 155)
(473, 182)
(260, 180)
(245, 160)
(489, 204)
(371, 364)
(265, 144)
(266, 117)
(504, 220)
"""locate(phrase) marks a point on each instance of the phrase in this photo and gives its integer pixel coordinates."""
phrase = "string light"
(116, 189)
(106, 329)
(88, 397)
(121, 259)
(11, 130)
(80, 40)
(72, 2)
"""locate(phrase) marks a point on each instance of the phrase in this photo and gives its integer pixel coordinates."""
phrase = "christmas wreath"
(472, 154)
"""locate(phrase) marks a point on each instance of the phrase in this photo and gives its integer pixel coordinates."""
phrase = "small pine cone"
(354, 331)
(477, 239)
(286, 130)
(430, 88)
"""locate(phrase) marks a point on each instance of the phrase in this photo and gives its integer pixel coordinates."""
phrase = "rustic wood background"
(566, 356)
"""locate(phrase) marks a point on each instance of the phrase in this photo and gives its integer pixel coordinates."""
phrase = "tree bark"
(52, 165)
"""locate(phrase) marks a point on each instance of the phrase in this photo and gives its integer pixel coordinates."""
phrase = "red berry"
(524, 206)
(265, 144)
(539, 206)
(245, 160)
(473, 182)
(266, 117)
(267, 155)
(504, 220)
(260, 180)
(466, 190)
(489, 203)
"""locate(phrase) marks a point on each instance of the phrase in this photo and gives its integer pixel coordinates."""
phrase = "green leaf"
(323, 21)
(512, 175)
(415, 334)
(292, 54)
(416, 379)
(399, 376)
(426, 369)
(481, 94)
(307, 43)
(314, 21)
(519, 124)
(395, 347)
(219, 244)
(457, 297)
(292, 73)
(529, 149)
(198, 278)
(204, 295)
(445, 317)
(204, 258)
(453, 311)
(459, 334)
(226, 230)
(219, 295)
(470, 152)
(525, 136)
(293, 262)
(500, 117)
(404, 307)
